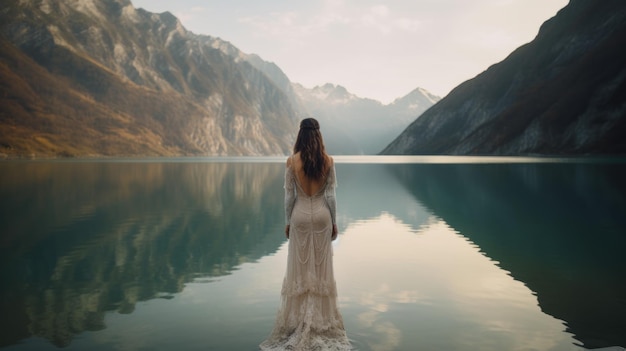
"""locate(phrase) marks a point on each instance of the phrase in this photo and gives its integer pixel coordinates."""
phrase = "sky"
(378, 49)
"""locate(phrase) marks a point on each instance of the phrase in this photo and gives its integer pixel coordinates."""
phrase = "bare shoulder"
(294, 161)
(330, 161)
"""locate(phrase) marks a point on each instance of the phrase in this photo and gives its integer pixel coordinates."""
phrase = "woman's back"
(308, 318)
(309, 185)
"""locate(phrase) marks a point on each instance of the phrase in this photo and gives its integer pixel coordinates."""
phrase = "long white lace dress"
(308, 318)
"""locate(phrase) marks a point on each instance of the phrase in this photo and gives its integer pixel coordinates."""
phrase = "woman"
(308, 318)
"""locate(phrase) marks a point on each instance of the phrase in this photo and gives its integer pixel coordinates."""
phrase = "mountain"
(563, 93)
(350, 124)
(99, 77)
(270, 69)
(354, 125)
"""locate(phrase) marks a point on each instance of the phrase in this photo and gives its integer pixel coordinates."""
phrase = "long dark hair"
(311, 147)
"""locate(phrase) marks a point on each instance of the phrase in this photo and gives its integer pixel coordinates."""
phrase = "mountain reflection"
(365, 191)
(81, 239)
(559, 228)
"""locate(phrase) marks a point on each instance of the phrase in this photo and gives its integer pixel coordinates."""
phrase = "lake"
(434, 253)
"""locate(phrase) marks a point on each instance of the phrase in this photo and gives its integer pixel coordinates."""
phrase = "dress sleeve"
(329, 193)
(290, 193)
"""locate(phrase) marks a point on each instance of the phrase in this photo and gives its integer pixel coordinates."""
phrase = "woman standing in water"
(308, 318)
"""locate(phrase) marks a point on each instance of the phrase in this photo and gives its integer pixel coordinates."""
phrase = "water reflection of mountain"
(80, 239)
(559, 228)
(365, 191)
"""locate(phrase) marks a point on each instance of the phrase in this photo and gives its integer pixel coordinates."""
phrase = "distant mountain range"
(99, 77)
(353, 125)
(563, 94)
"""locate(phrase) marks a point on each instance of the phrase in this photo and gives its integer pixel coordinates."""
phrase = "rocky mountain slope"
(354, 125)
(99, 77)
(351, 125)
(563, 93)
(102, 78)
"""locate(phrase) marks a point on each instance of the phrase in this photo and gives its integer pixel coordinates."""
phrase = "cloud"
(496, 40)
(407, 24)
(377, 49)
(190, 14)
(333, 16)
(383, 19)
(289, 25)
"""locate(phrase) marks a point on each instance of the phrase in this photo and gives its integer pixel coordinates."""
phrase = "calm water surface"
(434, 253)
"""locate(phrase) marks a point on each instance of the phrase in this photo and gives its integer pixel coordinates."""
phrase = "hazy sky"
(375, 48)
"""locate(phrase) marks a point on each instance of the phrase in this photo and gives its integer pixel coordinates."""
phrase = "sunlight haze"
(379, 50)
